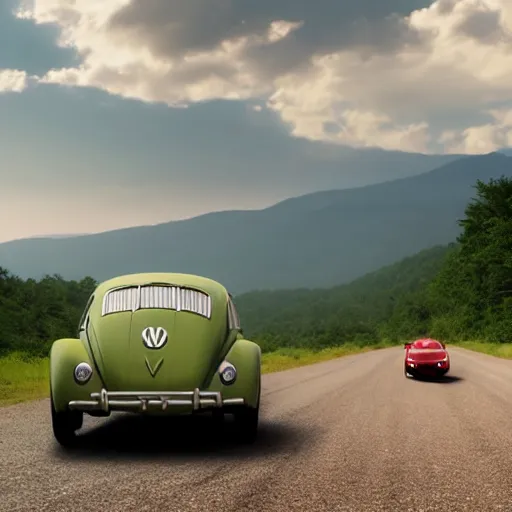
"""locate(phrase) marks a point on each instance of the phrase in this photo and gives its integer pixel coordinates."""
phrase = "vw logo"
(154, 337)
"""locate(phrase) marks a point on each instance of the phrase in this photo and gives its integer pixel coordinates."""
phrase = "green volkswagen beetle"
(156, 343)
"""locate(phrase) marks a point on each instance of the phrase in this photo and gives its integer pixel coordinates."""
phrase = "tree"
(475, 285)
(35, 313)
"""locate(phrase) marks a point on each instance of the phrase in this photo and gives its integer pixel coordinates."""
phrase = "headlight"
(83, 372)
(227, 373)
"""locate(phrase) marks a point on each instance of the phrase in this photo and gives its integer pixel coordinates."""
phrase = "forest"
(458, 292)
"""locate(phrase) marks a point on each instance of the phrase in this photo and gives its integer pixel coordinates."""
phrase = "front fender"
(245, 355)
(65, 354)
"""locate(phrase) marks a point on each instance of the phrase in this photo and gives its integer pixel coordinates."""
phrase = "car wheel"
(407, 374)
(246, 421)
(218, 418)
(65, 424)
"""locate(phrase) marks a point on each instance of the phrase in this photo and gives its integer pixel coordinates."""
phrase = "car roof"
(168, 278)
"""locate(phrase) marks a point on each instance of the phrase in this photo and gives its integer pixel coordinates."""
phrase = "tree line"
(457, 292)
(33, 313)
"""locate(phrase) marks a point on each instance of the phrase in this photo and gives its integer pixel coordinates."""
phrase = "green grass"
(503, 350)
(23, 378)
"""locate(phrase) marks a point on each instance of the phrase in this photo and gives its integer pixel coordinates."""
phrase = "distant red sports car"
(426, 357)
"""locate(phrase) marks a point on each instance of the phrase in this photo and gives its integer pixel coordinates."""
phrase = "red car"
(426, 357)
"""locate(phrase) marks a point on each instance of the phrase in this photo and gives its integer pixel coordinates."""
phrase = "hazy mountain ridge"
(316, 240)
(314, 167)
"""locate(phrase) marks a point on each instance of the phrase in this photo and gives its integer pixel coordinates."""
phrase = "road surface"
(346, 435)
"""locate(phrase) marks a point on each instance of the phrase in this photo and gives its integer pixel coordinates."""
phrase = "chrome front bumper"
(107, 401)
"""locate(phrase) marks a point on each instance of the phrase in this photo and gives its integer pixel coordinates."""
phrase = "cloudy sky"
(123, 112)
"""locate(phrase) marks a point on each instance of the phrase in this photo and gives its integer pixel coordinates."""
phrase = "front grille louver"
(157, 297)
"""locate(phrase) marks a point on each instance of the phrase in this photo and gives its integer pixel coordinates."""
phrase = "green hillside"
(325, 317)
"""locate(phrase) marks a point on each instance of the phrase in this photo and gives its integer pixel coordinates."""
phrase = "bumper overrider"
(141, 401)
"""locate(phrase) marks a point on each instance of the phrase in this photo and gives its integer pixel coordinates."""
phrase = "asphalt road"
(349, 435)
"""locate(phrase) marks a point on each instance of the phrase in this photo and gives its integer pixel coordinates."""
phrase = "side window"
(82, 324)
(234, 319)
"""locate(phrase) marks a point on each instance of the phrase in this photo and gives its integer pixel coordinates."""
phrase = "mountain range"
(316, 240)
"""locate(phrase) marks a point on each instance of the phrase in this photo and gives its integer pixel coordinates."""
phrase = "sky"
(127, 112)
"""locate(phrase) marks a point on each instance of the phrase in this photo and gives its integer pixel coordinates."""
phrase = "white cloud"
(482, 139)
(12, 80)
(425, 81)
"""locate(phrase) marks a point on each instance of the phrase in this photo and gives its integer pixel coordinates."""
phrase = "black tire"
(65, 424)
(218, 419)
(246, 421)
(407, 374)
(218, 415)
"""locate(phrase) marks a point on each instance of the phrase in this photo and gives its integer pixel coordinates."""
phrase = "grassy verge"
(503, 350)
(22, 378)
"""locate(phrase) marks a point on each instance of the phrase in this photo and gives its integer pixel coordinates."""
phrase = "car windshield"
(427, 344)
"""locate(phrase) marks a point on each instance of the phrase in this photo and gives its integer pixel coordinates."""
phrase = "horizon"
(116, 119)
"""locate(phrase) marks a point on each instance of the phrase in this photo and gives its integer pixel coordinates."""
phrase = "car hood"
(190, 351)
(426, 355)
